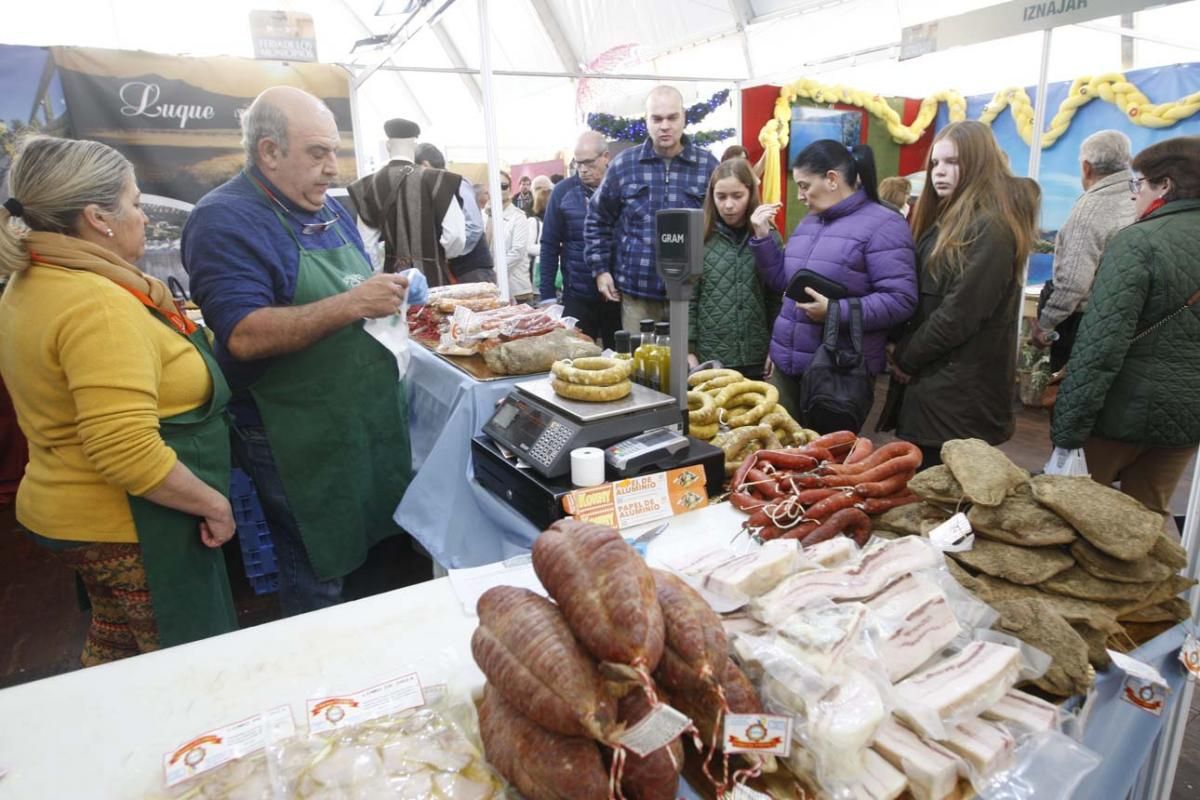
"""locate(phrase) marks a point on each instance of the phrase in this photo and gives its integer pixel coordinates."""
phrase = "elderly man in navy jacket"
(562, 243)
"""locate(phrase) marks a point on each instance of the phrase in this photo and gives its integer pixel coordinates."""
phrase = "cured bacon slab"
(879, 780)
(984, 745)
(757, 572)
(931, 769)
(957, 687)
(1022, 708)
(880, 566)
(915, 621)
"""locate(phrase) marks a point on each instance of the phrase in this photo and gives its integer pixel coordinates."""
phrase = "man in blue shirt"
(666, 171)
(282, 279)
(562, 243)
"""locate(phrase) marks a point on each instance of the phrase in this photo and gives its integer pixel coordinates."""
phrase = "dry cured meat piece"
(696, 647)
(542, 765)
(878, 780)
(915, 622)
(1021, 708)
(1174, 610)
(1078, 583)
(1105, 567)
(537, 353)
(1097, 644)
(957, 687)
(932, 770)
(1036, 625)
(1100, 616)
(654, 776)
(606, 593)
(986, 747)
(1160, 593)
(1021, 520)
(1169, 551)
(1027, 565)
(914, 519)
(986, 475)
(1110, 520)
(937, 485)
(530, 656)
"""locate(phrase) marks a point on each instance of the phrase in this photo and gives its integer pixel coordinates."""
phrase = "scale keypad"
(553, 439)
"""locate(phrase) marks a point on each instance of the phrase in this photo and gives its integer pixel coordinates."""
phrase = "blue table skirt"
(459, 522)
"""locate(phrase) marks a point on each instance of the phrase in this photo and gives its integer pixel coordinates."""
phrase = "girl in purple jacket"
(847, 237)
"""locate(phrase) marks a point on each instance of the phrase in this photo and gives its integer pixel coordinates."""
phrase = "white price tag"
(954, 535)
(1144, 686)
(1189, 655)
(758, 733)
(741, 791)
(343, 711)
(218, 747)
(657, 729)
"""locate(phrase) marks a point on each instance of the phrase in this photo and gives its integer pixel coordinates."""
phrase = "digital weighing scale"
(542, 428)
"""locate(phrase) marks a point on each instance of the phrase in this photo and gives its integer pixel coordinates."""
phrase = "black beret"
(401, 129)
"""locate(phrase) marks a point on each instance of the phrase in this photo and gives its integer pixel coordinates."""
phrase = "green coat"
(729, 317)
(1145, 392)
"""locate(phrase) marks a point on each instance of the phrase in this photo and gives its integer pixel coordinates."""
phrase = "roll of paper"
(587, 466)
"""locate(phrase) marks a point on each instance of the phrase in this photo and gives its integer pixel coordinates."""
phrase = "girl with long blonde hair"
(975, 225)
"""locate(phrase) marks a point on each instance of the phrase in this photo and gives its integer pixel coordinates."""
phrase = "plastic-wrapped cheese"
(842, 724)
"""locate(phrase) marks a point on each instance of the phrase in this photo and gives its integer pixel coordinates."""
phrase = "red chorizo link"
(850, 521)
(744, 501)
(788, 459)
(838, 443)
(886, 453)
(835, 502)
(763, 483)
(905, 463)
(821, 454)
(862, 448)
(769, 532)
(808, 497)
(885, 487)
(878, 505)
(740, 476)
(801, 530)
(861, 536)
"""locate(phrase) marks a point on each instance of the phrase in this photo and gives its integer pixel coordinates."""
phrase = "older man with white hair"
(1103, 210)
(284, 283)
(666, 171)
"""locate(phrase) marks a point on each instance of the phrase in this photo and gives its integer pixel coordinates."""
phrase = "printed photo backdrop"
(31, 100)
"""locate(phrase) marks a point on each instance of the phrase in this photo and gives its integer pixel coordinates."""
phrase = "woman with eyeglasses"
(516, 243)
(975, 226)
(1131, 398)
(122, 403)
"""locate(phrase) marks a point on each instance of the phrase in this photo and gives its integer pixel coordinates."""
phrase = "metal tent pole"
(493, 148)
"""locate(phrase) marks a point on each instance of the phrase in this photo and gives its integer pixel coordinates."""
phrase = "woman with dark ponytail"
(848, 238)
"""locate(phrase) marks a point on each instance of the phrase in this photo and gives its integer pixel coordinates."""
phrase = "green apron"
(336, 416)
(189, 586)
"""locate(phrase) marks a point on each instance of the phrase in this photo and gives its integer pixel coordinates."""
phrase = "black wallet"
(805, 279)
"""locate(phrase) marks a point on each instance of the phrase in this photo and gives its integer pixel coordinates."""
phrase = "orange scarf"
(74, 253)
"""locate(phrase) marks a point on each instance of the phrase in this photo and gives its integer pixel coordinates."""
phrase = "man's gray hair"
(1106, 151)
(263, 121)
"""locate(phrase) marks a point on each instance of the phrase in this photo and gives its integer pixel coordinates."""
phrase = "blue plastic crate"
(254, 538)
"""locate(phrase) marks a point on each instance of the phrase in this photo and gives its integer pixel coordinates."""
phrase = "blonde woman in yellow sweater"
(121, 401)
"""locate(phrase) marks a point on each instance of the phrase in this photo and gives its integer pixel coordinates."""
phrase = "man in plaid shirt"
(666, 171)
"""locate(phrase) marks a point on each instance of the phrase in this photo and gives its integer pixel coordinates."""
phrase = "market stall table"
(455, 519)
(113, 723)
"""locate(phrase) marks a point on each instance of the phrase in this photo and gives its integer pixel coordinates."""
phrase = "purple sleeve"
(768, 257)
(891, 278)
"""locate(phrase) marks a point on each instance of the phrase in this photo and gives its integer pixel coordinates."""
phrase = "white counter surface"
(101, 732)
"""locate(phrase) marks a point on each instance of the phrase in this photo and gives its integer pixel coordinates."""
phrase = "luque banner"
(178, 120)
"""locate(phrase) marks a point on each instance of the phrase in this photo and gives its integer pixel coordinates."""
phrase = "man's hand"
(1041, 338)
(218, 526)
(608, 289)
(761, 219)
(693, 362)
(768, 369)
(380, 295)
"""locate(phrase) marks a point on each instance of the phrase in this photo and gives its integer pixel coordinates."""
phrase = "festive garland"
(705, 138)
(633, 129)
(1112, 87)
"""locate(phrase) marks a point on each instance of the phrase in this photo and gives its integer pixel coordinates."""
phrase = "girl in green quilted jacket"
(730, 319)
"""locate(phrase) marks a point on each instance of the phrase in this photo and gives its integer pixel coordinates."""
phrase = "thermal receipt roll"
(587, 466)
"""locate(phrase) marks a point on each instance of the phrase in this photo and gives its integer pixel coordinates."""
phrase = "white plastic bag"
(1067, 462)
(392, 333)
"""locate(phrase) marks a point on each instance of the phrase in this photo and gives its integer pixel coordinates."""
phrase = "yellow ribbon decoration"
(1111, 87)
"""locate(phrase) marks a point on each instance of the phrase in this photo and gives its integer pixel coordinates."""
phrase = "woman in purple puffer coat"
(847, 237)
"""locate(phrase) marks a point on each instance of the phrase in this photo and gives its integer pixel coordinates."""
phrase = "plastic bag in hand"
(418, 287)
(1067, 462)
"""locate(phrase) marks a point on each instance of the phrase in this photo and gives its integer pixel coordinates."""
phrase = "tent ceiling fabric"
(714, 42)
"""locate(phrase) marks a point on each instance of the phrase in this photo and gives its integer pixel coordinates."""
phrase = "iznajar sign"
(1010, 19)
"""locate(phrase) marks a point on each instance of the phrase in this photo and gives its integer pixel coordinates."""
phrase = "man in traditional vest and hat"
(321, 419)
(415, 208)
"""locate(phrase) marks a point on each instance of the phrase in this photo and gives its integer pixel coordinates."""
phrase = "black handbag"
(837, 391)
